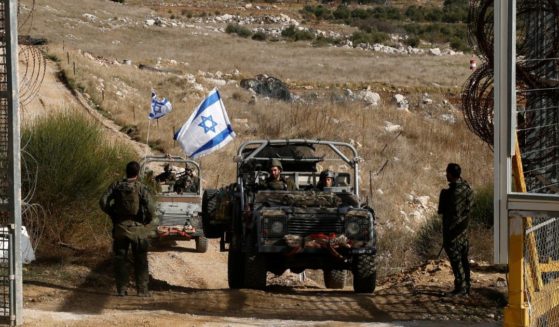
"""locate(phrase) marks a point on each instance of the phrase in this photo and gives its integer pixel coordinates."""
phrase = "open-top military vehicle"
(303, 228)
(177, 190)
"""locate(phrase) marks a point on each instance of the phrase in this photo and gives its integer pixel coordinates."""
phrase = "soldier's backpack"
(126, 199)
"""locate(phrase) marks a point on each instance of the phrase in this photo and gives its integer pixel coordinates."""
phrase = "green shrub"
(239, 30)
(429, 238)
(259, 36)
(342, 12)
(295, 34)
(371, 38)
(322, 41)
(71, 164)
(482, 211)
(412, 41)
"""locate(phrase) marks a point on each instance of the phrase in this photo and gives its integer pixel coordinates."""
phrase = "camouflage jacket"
(146, 213)
(283, 184)
(188, 184)
(455, 204)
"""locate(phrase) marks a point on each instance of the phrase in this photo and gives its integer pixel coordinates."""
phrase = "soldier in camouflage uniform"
(276, 181)
(132, 211)
(187, 182)
(455, 204)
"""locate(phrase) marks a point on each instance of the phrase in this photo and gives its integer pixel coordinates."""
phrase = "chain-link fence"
(541, 269)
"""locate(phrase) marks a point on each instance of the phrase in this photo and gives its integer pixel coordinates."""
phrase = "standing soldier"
(131, 209)
(455, 204)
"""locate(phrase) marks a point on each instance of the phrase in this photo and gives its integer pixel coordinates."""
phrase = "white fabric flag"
(159, 108)
(208, 128)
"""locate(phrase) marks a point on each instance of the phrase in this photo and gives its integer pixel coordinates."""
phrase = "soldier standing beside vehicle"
(131, 208)
(275, 181)
(455, 203)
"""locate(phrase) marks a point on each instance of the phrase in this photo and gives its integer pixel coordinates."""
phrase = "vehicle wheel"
(364, 273)
(235, 269)
(255, 272)
(201, 244)
(209, 204)
(334, 278)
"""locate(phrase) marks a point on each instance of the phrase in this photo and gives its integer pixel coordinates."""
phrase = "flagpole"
(147, 140)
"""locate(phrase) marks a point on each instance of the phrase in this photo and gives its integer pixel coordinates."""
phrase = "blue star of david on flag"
(159, 108)
(208, 121)
(194, 136)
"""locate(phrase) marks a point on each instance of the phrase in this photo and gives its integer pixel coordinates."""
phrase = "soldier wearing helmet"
(327, 179)
(187, 182)
(275, 181)
(167, 175)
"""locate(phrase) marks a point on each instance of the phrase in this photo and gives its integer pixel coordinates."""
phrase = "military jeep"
(178, 208)
(302, 228)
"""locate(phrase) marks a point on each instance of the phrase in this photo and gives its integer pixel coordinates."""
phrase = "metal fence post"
(516, 312)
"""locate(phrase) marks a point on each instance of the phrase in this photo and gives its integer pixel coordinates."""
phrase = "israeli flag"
(208, 128)
(159, 108)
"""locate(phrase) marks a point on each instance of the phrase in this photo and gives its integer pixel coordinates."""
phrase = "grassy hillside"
(90, 39)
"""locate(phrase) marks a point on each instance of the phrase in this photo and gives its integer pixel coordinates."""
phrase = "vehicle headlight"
(352, 229)
(277, 228)
(274, 223)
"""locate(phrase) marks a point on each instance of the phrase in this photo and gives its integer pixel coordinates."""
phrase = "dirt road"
(190, 288)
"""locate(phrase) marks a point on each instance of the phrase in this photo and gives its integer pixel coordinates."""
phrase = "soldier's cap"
(276, 163)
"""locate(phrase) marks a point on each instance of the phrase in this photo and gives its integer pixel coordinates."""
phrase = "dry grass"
(416, 159)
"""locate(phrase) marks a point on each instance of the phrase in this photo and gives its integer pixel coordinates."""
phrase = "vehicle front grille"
(304, 225)
(172, 220)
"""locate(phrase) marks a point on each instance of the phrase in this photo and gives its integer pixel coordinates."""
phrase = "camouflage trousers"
(139, 247)
(457, 251)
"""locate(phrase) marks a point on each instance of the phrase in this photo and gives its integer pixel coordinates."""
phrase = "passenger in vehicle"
(187, 182)
(275, 181)
(166, 176)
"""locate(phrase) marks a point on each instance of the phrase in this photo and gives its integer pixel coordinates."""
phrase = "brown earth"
(190, 288)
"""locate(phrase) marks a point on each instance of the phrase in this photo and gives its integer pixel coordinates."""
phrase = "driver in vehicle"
(327, 179)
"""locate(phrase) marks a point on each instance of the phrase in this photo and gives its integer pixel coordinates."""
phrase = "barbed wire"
(32, 75)
(537, 82)
(31, 58)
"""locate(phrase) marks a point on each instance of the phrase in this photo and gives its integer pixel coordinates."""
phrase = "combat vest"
(126, 199)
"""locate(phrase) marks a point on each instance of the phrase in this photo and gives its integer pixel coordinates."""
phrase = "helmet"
(276, 163)
(327, 173)
(167, 167)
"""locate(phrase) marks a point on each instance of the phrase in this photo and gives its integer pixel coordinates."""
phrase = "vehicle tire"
(201, 244)
(364, 273)
(209, 204)
(235, 269)
(334, 278)
(255, 272)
